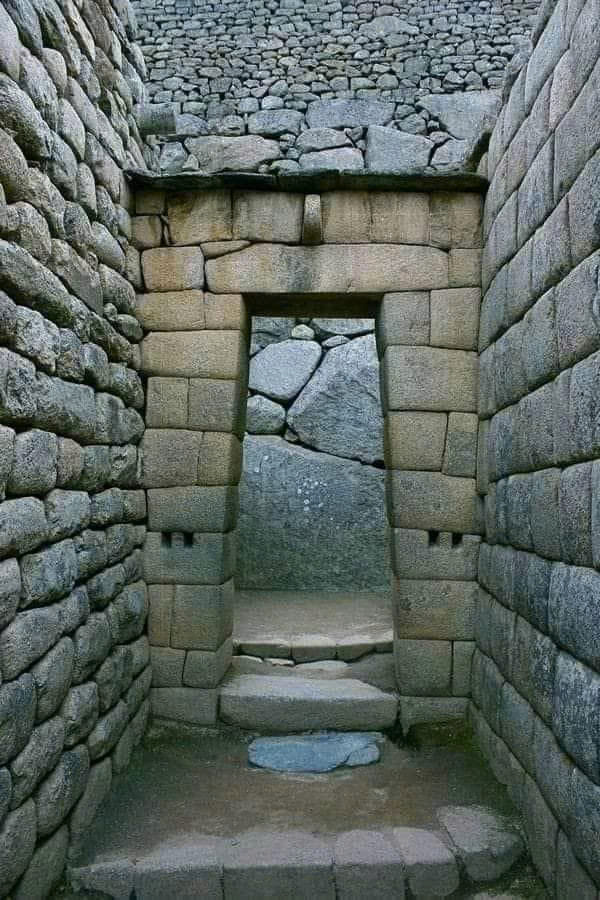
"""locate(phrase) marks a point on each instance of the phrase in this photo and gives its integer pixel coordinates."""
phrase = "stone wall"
(312, 506)
(288, 84)
(211, 257)
(536, 671)
(73, 661)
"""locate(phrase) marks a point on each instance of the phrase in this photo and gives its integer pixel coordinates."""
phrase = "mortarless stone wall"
(74, 663)
(312, 504)
(288, 85)
(536, 671)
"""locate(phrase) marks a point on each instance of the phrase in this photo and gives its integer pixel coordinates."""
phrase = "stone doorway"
(411, 260)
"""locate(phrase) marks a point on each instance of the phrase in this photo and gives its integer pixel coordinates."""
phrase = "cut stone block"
(415, 440)
(194, 706)
(464, 268)
(189, 869)
(200, 216)
(328, 268)
(281, 370)
(488, 843)
(173, 268)
(194, 354)
(367, 864)
(429, 378)
(460, 455)
(201, 559)
(403, 318)
(217, 405)
(414, 555)
(435, 609)
(455, 318)
(423, 668)
(167, 667)
(280, 704)
(268, 216)
(192, 509)
(205, 668)
(170, 457)
(462, 658)
(284, 865)
(430, 500)
(202, 617)
(376, 216)
(430, 866)
(429, 710)
(456, 220)
(171, 311)
(167, 403)
(220, 459)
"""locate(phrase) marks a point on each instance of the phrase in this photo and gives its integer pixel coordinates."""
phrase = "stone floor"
(188, 792)
(312, 625)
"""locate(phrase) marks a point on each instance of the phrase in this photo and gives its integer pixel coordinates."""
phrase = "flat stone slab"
(487, 842)
(315, 752)
(284, 705)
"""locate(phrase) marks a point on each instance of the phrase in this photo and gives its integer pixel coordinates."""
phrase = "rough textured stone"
(315, 753)
(429, 864)
(389, 150)
(488, 844)
(281, 370)
(232, 154)
(324, 487)
(339, 410)
(343, 268)
(263, 416)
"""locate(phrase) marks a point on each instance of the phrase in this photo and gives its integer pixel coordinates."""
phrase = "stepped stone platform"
(308, 626)
(271, 704)
(192, 818)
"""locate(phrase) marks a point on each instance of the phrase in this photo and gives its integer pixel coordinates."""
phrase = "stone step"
(469, 847)
(281, 705)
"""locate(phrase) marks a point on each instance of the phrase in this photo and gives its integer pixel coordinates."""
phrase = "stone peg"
(155, 118)
(312, 225)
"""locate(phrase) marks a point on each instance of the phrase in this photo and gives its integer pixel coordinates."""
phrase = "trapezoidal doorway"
(410, 261)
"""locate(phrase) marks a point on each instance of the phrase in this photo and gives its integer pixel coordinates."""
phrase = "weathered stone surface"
(339, 410)
(429, 864)
(389, 150)
(429, 378)
(204, 216)
(403, 319)
(435, 609)
(343, 268)
(202, 616)
(487, 843)
(262, 216)
(281, 370)
(345, 159)
(321, 139)
(294, 704)
(465, 116)
(315, 753)
(232, 154)
(194, 706)
(367, 862)
(45, 869)
(263, 416)
(194, 354)
(325, 488)
(61, 789)
(17, 843)
(173, 268)
(37, 759)
(414, 556)
(430, 500)
(274, 122)
(415, 440)
(348, 113)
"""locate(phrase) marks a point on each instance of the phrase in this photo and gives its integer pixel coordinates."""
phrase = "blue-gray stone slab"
(315, 752)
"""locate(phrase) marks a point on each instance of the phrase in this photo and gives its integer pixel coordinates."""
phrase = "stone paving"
(424, 821)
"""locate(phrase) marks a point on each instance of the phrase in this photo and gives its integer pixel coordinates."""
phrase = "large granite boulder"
(309, 521)
(464, 115)
(263, 416)
(339, 410)
(280, 371)
(389, 150)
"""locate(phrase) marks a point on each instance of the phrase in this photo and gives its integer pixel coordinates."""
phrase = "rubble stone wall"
(288, 84)
(209, 259)
(536, 670)
(74, 662)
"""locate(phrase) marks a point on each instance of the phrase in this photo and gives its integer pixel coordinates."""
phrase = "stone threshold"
(425, 180)
(472, 847)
